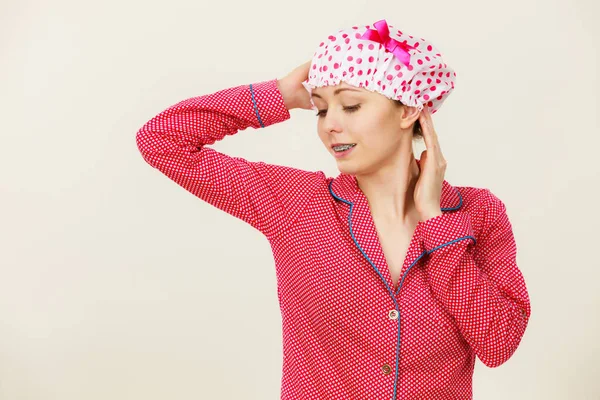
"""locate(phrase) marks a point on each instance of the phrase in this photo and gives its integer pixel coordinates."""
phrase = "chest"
(395, 240)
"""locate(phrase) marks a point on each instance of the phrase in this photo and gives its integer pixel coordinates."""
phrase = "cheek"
(368, 132)
(322, 137)
(380, 143)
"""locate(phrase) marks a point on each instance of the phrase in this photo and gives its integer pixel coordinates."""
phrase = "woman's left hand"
(428, 190)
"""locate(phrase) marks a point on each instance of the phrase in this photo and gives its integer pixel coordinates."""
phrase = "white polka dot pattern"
(348, 331)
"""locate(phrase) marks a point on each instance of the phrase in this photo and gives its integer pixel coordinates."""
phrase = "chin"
(349, 167)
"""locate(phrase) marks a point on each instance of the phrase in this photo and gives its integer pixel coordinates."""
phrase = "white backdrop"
(118, 284)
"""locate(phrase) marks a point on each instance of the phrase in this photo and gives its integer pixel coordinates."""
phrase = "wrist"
(286, 93)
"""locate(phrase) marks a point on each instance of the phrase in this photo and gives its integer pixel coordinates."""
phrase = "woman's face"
(378, 127)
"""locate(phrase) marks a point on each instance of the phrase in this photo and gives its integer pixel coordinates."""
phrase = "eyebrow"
(336, 92)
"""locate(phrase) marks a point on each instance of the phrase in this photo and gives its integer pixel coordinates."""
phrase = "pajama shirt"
(348, 331)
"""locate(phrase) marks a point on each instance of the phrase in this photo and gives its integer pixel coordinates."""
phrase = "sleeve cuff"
(446, 228)
(268, 104)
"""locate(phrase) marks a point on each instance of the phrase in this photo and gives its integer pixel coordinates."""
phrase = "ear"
(408, 116)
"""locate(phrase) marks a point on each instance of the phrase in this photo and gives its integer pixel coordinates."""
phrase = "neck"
(390, 190)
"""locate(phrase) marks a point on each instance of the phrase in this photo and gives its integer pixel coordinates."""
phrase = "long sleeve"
(478, 281)
(268, 197)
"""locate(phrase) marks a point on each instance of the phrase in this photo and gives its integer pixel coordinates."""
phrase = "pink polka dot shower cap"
(385, 60)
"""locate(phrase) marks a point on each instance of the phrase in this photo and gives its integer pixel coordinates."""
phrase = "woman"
(391, 281)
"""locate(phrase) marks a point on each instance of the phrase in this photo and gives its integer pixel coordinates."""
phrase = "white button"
(393, 314)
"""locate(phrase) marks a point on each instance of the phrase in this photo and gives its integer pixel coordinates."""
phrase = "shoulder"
(483, 206)
(479, 199)
(292, 182)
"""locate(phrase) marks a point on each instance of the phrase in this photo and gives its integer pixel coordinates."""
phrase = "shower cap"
(383, 60)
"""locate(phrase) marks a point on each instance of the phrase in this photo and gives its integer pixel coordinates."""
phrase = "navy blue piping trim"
(459, 203)
(452, 241)
(256, 107)
(405, 273)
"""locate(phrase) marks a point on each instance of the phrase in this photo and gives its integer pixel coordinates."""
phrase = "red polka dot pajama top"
(348, 331)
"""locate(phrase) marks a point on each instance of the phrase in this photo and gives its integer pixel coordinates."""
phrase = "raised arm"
(479, 282)
(267, 196)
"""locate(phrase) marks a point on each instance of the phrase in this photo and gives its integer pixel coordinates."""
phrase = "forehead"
(331, 89)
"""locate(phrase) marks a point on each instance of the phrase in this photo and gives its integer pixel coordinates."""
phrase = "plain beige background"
(118, 284)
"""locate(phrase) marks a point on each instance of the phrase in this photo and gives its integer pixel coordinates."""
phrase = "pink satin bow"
(382, 35)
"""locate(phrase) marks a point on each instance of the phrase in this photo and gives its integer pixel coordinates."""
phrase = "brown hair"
(417, 131)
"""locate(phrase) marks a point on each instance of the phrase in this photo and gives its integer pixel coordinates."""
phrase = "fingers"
(429, 134)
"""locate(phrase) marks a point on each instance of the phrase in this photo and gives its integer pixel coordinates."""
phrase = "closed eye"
(349, 109)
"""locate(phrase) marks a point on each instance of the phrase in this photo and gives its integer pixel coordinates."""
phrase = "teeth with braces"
(344, 147)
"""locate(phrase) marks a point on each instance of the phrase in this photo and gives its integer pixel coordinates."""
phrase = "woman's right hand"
(294, 93)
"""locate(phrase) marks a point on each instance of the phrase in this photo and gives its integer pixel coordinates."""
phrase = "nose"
(331, 123)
